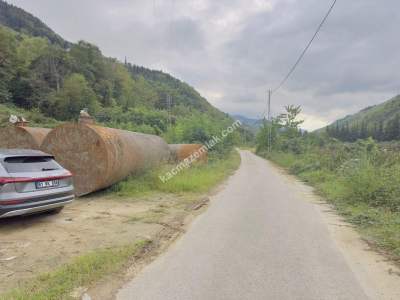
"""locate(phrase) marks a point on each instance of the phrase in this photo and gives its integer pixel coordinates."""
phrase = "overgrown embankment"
(362, 180)
(198, 178)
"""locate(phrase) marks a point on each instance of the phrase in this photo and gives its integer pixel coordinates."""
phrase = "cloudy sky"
(233, 51)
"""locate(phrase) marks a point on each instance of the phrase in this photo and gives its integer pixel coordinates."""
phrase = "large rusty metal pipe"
(181, 151)
(99, 156)
(18, 137)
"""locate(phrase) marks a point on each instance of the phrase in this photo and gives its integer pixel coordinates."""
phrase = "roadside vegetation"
(199, 178)
(34, 116)
(361, 179)
(82, 271)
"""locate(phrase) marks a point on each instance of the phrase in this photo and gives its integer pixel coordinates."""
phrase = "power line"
(305, 49)
(268, 106)
(270, 92)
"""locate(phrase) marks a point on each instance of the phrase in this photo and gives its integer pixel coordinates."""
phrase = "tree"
(21, 85)
(73, 97)
(380, 136)
(8, 44)
(393, 128)
(269, 132)
(51, 67)
(104, 89)
(283, 132)
(363, 130)
(89, 61)
(123, 87)
(30, 49)
(289, 118)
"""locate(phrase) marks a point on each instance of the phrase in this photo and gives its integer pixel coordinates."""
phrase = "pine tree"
(380, 136)
(393, 129)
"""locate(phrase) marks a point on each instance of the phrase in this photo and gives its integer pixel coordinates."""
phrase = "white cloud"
(312, 122)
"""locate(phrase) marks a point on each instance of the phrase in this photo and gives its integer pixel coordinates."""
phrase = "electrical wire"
(298, 60)
(305, 49)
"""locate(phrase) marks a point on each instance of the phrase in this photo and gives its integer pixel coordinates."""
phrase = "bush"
(375, 186)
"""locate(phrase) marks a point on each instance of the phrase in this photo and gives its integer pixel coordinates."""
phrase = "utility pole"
(269, 121)
(169, 107)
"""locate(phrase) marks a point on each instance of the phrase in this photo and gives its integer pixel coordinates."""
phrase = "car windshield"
(22, 164)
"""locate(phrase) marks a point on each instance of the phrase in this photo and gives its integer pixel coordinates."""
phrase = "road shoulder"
(379, 277)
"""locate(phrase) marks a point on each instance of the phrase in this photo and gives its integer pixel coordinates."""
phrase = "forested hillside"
(53, 79)
(381, 122)
(253, 123)
(19, 20)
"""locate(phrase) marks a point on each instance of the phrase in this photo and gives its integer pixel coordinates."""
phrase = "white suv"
(32, 181)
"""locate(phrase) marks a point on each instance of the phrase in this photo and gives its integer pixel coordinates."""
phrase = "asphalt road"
(259, 239)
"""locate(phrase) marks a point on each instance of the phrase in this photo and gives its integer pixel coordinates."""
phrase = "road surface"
(259, 239)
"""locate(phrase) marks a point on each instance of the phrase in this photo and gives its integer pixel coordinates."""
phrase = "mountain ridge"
(377, 121)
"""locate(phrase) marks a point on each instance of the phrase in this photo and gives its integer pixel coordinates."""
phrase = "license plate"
(47, 184)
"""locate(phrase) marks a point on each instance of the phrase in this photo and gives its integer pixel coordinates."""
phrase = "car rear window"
(23, 164)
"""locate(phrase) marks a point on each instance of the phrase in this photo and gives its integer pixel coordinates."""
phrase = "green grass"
(35, 118)
(367, 196)
(198, 178)
(82, 271)
(380, 227)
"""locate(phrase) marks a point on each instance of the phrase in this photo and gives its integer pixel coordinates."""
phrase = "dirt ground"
(35, 244)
